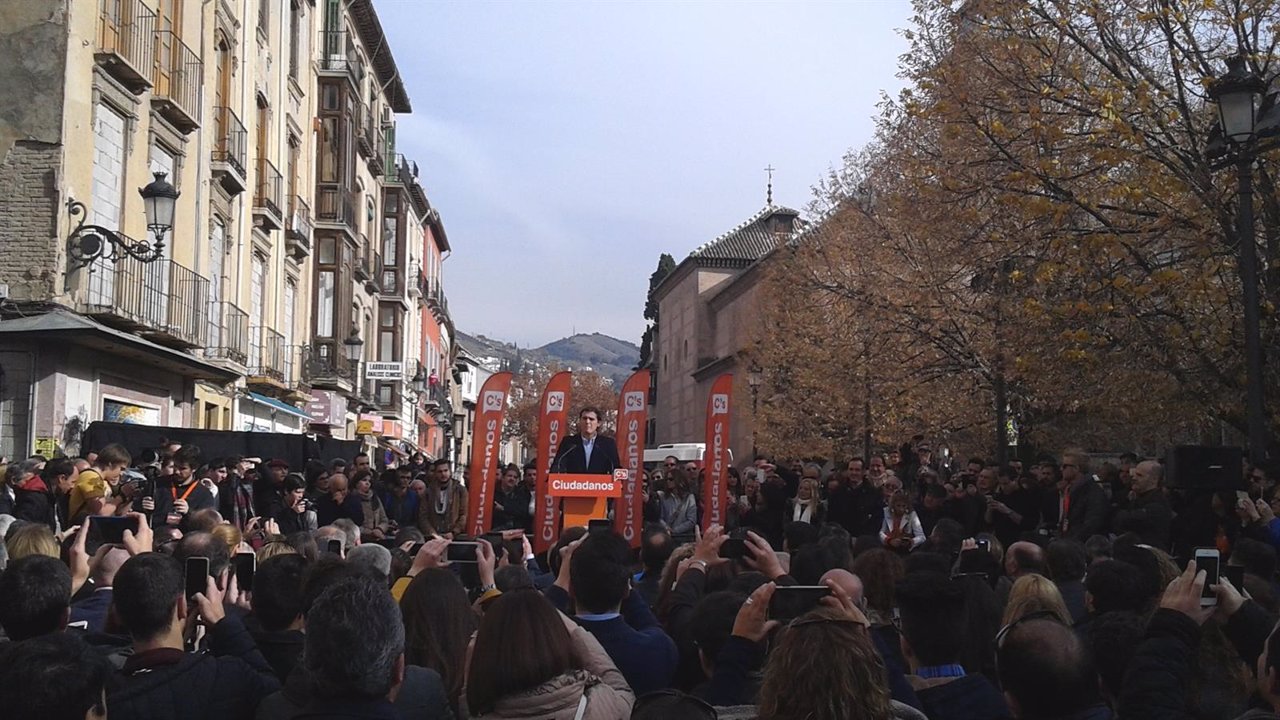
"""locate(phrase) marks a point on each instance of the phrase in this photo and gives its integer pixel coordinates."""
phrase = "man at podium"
(587, 452)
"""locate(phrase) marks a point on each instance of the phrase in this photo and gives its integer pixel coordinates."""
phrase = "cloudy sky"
(568, 144)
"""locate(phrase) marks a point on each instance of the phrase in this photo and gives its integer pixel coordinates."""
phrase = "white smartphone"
(1208, 560)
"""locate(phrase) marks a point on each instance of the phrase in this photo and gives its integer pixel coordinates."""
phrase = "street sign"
(384, 371)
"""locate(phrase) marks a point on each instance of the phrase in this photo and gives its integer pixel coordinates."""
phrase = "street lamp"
(1237, 94)
(88, 243)
(419, 382)
(353, 346)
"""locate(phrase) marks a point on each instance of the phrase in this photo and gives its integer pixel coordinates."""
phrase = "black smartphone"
(733, 548)
(245, 564)
(461, 552)
(414, 548)
(984, 545)
(333, 547)
(791, 601)
(108, 529)
(197, 574)
(1234, 573)
(599, 525)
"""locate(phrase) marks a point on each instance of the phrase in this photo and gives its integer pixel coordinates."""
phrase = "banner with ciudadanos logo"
(715, 458)
(491, 408)
(553, 425)
(633, 414)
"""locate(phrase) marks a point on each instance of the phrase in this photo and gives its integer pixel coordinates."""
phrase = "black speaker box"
(1199, 467)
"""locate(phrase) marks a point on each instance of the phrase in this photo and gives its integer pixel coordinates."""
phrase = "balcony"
(338, 57)
(298, 228)
(437, 302)
(268, 197)
(268, 358)
(228, 333)
(336, 208)
(230, 150)
(126, 32)
(162, 300)
(176, 81)
(325, 366)
(369, 139)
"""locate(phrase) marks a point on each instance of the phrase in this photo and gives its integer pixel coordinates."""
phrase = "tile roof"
(748, 241)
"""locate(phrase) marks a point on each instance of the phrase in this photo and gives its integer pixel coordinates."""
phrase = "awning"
(275, 404)
(73, 328)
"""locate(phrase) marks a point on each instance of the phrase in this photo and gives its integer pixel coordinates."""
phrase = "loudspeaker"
(1199, 467)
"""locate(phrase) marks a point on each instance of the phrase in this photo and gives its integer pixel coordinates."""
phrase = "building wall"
(685, 337)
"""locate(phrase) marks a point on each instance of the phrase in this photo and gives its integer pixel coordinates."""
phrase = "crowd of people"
(171, 585)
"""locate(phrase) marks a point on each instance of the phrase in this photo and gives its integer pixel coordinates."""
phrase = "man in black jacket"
(587, 452)
(1148, 513)
(161, 679)
(932, 609)
(1047, 672)
(1083, 505)
(36, 496)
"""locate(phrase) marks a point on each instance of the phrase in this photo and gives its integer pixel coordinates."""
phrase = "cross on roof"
(769, 193)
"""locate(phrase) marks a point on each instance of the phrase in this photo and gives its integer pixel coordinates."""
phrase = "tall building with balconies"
(360, 362)
(197, 321)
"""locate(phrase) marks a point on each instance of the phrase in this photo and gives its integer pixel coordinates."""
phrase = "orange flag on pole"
(553, 425)
(715, 458)
(633, 415)
(491, 408)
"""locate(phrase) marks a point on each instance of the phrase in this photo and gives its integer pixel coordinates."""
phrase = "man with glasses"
(1082, 504)
(587, 451)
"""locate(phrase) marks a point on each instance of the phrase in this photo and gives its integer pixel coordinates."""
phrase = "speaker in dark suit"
(574, 456)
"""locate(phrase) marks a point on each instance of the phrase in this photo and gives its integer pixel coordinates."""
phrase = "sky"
(568, 144)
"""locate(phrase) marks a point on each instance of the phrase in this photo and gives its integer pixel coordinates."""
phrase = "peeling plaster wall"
(33, 48)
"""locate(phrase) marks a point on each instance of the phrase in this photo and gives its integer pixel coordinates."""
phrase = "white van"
(684, 452)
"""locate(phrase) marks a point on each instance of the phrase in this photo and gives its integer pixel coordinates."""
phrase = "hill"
(609, 356)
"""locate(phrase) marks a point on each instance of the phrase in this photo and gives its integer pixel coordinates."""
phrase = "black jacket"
(1150, 516)
(511, 509)
(1163, 670)
(33, 502)
(571, 458)
(225, 683)
(281, 648)
(421, 697)
(327, 510)
(1088, 511)
(971, 697)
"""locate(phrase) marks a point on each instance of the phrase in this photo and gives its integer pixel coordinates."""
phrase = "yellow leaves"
(1166, 276)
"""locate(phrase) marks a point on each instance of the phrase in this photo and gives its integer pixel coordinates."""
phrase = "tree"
(589, 389)
(666, 264)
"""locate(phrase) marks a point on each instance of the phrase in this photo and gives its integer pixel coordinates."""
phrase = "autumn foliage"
(1040, 210)
(589, 389)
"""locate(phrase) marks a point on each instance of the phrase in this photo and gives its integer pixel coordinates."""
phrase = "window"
(109, 140)
(324, 304)
(162, 160)
(325, 251)
(264, 17)
(330, 151)
(217, 250)
(295, 37)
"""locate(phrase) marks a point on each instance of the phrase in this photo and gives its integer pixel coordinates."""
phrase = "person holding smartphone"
(295, 515)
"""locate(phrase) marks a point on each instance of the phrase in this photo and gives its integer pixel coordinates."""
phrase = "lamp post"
(353, 346)
(1237, 94)
(88, 243)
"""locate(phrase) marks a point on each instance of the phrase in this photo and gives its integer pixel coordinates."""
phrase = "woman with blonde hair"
(230, 536)
(28, 538)
(806, 506)
(1033, 594)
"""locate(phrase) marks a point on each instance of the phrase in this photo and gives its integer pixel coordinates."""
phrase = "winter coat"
(599, 684)
(225, 683)
(34, 502)
(1162, 671)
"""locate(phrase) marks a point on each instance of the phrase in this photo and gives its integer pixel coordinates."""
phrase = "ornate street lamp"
(353, 346)
(1237, 94)
(88, 243)
(419, 382)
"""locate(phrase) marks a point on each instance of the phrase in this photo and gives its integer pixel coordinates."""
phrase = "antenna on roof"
(769, 196)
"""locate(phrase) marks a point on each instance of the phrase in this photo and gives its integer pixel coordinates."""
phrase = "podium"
(585, 497)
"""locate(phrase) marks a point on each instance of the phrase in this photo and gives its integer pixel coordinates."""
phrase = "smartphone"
(1235, 573)
(599, 525)
(197, 574)
(1242, 496)
(245, 564)
(108, 529)
(333, 547)
(413, 549)
(1207, 559)
(461, 552)
(984, 545)
(733, 548)
(792, 601)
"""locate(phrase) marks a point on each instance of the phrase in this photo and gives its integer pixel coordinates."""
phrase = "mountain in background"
(609, 356)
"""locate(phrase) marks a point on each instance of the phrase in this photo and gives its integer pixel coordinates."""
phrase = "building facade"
(708, 319)
(274, 121)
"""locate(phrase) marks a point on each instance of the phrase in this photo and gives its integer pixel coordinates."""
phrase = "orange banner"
(553, 425)
(491, 408)
(633, 417)
(715, 458)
